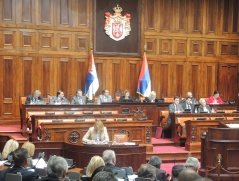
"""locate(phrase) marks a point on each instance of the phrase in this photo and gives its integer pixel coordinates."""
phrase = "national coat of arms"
(116, 25)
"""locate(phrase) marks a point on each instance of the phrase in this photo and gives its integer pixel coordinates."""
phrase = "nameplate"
(236, 119)
(88, 112)
(142, 119)
(220, 111)
(219, 118)
(235, 112)
(57, 120)
(49, 113)
(204, 112)
(107, 112)
(103, 120)
(201, 118)
(79, 120)
(121, 119)
(69, 112)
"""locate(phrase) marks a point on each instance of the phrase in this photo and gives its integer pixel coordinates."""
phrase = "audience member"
(104, 176)
(215, 99)
(99, 169)
(56, 169)
(30, 148)
(59, 98)
(10, 146)
(34, 98)
(151, 98)
(190, 94)
(96, 134)
(192, 163)
(156, 162)
(79, 98)
(187, 104)
(188, 175)
(203, 107)
(147, 171)
(109, 159)
(105, 97)
(174, 108)
(95, 162)
(21, 162)
(126, 97)
(176, 170)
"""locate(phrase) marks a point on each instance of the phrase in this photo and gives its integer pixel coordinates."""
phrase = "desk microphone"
(37, 162)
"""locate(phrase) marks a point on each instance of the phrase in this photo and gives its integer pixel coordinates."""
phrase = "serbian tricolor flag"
(92, 82)
(144, 83)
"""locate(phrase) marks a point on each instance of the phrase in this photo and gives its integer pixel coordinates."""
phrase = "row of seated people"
(79, 98)
(98, 169)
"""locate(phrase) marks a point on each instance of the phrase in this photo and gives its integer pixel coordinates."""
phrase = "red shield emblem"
(117, 30)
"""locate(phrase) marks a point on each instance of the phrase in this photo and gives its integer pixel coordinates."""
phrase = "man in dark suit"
(156, 162)
(188, 104)
(59, 98)
(79, 98)
(175, 107)
(109, 159)
(34, 98)
(21, 159)
(105, 97)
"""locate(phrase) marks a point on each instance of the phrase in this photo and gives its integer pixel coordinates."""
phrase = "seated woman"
(10, 146)
(215, 99)
(30, 147)
(126, 97)
(96, 134)
(95, 162)
(203, 106)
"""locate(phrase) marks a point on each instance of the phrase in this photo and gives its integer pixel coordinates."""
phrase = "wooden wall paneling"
(29, 75)
(166, 15)
(47, 78)
(28, 40)
(212, 16)
(1, 85)
(195, 16)
(83, 13)
(151, 44)
(210, 48)
(196, 47)
(82, 43)
(133, 77)
(64, 42)
(194, 80)
(180, 47)
(25, 12)
(155, 76)
(64, 76)
(116, 77)
(211, 78)
(165, 46)
(8, 40)
(37, 72)
(164, 79)
(181, 19)
(224, 48)
(180, 79)
(107, 67)
(80, 75)
(226, 15)
(7, 11)
(45, 12)
(150, 14)
(234, 49)
(46, 41)
(99, 70)
(235, 17)
(64, 13)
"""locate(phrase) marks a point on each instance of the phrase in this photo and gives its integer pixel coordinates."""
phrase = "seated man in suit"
(156, 162)
(34, 98)
(56, 169)
(105, 97)
(203, 106)
(147, 171)
(187, 105)
(175, 107)
(59, 98)
(151, 98)
(79, 98)
(193, 100)
(109, 159)
(21, 162)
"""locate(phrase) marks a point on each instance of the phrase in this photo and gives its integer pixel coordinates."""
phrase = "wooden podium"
(219, 152)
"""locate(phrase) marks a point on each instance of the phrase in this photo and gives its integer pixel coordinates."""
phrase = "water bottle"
(196, 110)
(213, 111)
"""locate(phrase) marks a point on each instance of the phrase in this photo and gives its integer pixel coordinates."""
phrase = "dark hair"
(103, 91)
(155, 161)
(188, 98)
(146, 171)
(177, 169)
(104, 176)
(176, 97)
(99, 169)
(20, 156)
(216, 92)
(58, 92)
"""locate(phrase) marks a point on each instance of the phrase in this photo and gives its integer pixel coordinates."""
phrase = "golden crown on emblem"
(118, 9)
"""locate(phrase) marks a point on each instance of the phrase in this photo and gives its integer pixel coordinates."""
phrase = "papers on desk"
(233, 125)
(132, 177)
(2, 162)
(129, 143)
(39, 164)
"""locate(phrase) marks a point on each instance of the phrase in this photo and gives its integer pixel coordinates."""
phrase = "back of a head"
(20, 156)
(177, 169)
(57, 166)
(155, 161)
(104, 176)
(95, 162)
(30, 148)
(192, 163)
(146, 171)
(10, 146)
(108, 156)
(188, 175)
(99, 169)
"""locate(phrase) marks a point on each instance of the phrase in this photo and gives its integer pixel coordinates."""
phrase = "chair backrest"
(13, 177)
(120, 137)
(85, 178)
(120, 173)
(128, 170)
(41, 172)
(168, 99)
(142, 179)
(73, 175)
